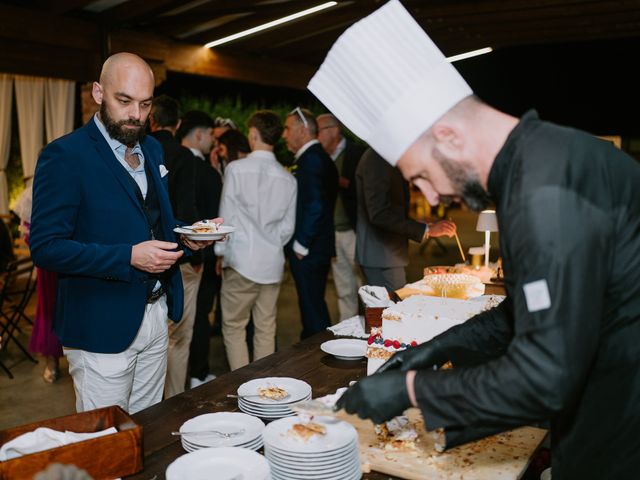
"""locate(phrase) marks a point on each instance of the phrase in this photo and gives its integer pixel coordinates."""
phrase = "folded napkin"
(374, 296)
(44, 439)
(350, 327)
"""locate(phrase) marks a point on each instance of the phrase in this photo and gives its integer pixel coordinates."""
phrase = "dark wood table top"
(303, 360)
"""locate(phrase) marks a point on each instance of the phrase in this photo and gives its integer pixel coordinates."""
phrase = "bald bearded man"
(102, 219)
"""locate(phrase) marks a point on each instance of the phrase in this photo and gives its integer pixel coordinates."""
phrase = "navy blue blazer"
(317, 179)
(86, 219)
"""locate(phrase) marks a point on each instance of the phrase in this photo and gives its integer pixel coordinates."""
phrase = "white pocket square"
(163, 170)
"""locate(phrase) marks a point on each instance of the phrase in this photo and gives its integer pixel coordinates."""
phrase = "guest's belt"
(155, 295)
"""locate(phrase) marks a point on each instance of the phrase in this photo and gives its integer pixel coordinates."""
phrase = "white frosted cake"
(418, 319)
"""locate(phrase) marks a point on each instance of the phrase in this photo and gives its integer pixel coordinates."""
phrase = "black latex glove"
(379, 397)
(416, 358)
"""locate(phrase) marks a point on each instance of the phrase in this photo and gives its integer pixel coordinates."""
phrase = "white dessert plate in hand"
(345, 348)
(223, 231)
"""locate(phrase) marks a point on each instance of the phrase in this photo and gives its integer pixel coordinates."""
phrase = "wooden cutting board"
(504, 456)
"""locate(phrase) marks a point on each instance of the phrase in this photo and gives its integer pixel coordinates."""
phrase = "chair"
(18, 284)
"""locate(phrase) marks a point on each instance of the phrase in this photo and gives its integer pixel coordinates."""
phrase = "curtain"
(30, 102)
(59, 105)
(6, 86)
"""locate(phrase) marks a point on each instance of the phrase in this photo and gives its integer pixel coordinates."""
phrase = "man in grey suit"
(384, 227)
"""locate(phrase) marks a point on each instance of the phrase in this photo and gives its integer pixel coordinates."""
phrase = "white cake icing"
(418, 319)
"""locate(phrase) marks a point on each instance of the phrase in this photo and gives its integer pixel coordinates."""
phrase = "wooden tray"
(107, 457)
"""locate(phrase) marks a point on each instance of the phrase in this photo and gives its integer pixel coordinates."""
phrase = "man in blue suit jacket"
(103, 221)
(313, 243)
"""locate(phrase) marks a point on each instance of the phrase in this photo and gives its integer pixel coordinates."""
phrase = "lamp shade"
(487, 221)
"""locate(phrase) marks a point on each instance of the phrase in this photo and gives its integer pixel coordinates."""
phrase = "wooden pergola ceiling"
(162, 30)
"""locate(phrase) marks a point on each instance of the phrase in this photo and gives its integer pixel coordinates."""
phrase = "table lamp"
(487, 223)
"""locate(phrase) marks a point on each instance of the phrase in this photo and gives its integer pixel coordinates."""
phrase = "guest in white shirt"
(259, 199)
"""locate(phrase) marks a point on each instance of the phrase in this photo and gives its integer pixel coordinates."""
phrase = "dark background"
(590, 85)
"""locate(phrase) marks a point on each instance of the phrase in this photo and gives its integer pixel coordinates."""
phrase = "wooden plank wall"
(33, 42)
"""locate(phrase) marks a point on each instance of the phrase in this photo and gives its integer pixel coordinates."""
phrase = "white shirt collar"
(339, 149)
(305, 147)
(197, 153)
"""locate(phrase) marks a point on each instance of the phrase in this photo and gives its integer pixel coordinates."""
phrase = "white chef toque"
(387, 82)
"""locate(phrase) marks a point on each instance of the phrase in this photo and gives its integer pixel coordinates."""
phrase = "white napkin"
(350, 327)
(374, 296)
(44, 439)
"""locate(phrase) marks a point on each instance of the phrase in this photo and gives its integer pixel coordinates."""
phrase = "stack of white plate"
(332, 456)
(244, 431)
(230, 463)
(267, 408)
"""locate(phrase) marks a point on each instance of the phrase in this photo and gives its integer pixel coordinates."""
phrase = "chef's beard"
(116, 130)
(464, 182)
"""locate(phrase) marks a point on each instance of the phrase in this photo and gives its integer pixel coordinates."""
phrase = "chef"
(564, 347)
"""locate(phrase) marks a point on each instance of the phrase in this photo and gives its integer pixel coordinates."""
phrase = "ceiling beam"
(257, 15)
(301, 32)
(304, 27)
(137, 10)
(71, 48)
(61, 6)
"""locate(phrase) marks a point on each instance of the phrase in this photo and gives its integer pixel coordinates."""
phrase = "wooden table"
(304, 361)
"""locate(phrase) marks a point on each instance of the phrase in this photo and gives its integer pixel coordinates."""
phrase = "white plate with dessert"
(291, 437)
(271, 391)
(205, 230)
(345, 348)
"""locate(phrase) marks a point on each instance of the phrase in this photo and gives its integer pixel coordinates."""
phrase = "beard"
(464, 182)
(117, 130)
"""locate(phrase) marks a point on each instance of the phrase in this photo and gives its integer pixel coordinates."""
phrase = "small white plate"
(345, 348)
(222, 232)
(225, 422)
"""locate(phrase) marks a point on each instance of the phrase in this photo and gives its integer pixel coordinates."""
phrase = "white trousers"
(180, 333)
(133, 379)
(346, 274)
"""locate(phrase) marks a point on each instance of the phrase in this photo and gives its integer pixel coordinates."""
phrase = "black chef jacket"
(565, 345)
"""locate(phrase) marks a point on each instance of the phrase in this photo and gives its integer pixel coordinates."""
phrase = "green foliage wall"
(239, 111)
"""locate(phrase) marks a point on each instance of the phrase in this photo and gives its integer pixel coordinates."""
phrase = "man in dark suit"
(384, 226)
(196, 132)
(102, 220)
(313, 243)
(346, 155)
(192, 201)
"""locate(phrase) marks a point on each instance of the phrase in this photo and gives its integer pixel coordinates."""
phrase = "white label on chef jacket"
(537, 295)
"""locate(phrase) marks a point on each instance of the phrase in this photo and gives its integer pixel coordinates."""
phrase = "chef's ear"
(448, 138)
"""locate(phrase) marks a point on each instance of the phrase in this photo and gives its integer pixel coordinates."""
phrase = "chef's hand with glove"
(421, 357)
(379, 397)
